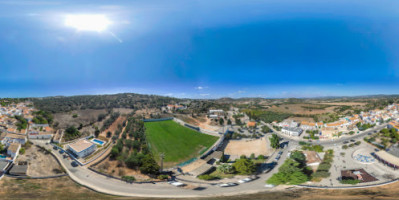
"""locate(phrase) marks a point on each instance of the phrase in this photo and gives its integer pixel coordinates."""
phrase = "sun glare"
(88, 22)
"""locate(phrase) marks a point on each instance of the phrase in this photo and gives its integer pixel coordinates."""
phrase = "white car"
(177, 184)
(245, 180)
(269, 186)
(228, 184)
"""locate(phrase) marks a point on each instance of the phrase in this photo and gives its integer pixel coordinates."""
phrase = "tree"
(97, 132)
(149, 165)
(228, 122)
(221, 121)
(134, 160)
(266, 129)
(71, 133)
(299, 157)
(109, 134)
(297, 178)
(274, 141)
(114, 152)
(278, 178)
(244, 166)
(290, 166)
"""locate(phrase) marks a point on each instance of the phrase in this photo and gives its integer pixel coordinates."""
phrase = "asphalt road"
(333, 141)
(104, 184)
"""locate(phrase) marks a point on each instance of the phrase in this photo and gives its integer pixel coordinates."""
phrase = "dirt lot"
(236, 148)
(112, 167)
(84, 117)
(56, 188)
(202, 122)
(123, 111)
(40, 162)
(302, 109)
(299, 119)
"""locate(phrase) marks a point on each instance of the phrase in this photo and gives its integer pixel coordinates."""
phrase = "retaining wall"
(349, 187)
(36, 177)
(158, 120)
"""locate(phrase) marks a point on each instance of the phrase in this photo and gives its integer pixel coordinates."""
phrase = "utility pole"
(162, 156)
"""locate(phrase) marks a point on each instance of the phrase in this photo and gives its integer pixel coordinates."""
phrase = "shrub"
(22, 150)
(163, 177)
(321, 174)
(350, 181)
(128, 178)
(207, 177)
(244, 166)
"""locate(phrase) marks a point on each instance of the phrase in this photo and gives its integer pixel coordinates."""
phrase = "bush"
(207, 177)
(321, 174)
(244, 166)
(350, 181)
(75, 115)
(129, 179)
(226, 169)
(163, 177)
(22, 150)
(302, 143)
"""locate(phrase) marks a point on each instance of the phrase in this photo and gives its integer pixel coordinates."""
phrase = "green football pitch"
(177, 142)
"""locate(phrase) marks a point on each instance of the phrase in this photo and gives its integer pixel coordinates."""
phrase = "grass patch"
(179, 143)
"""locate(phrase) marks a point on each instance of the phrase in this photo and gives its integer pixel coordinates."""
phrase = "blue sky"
(201, 49)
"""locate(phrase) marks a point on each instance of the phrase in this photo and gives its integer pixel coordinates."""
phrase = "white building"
(13, 138)
(58, 136)
(288, 123)
(40, 135)
(292, 131)
(13, 149)
(82, 148)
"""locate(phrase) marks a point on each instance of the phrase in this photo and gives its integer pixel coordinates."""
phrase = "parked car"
(74, 164)
(269, 186)
(245, 180)
(228, 184)
(61, 151)
(55, 147)
(352, 140)
(176, 183)
(277, 158)
(346, 142)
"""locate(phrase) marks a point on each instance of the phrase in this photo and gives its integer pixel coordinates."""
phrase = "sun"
(86, 22)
